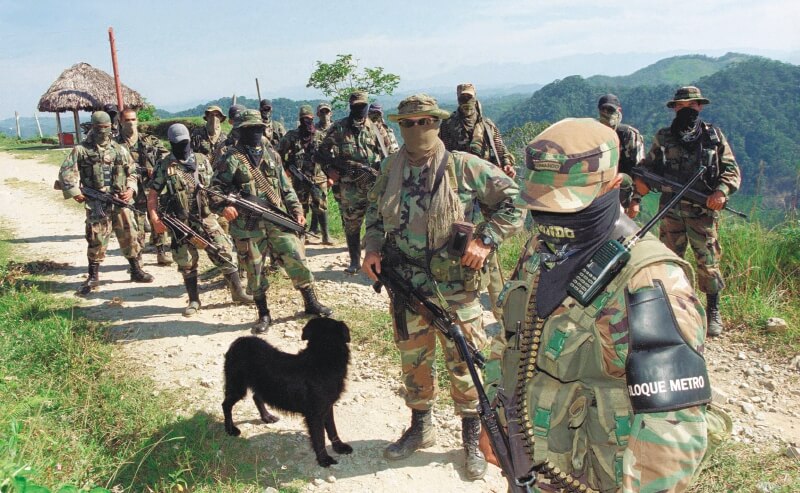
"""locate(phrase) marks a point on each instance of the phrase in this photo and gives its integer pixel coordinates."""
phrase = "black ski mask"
(181, 149)
(567, 242)
(686, 125)
(251, 136)
(358, 111)
(307, 127)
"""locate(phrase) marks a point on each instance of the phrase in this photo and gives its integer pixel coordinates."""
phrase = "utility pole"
(16, 118)
(120, 103)
(258, 90)
(38, 125)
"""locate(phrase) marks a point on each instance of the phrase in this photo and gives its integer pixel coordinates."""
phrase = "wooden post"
(38, 125)
(120, 102)
(258, 90)
(16, 119)
(58, 129)
(233, 100)
(77, 127)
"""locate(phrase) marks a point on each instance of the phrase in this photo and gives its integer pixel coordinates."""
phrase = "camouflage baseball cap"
(465, 88)
(359, 97)
(324, 106)
(418, 105)
(101, 119)
(567, 165)
(687, 93)
(305, 110)
(214, 109)
(249, 118)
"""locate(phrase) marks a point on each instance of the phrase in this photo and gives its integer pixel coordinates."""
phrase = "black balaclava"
(567, 242)
(307, 127)
(686, 125)
(358, 111)
(251, 136)
(181, 149)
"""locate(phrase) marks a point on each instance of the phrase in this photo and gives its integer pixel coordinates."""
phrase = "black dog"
(307, 383)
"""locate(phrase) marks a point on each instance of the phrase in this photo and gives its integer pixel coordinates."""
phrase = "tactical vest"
(269, 168)
(179, 195)
(103, 170)
(302, 157)
(361, 146)
(573, 414)
(626, 134)
(679, 163)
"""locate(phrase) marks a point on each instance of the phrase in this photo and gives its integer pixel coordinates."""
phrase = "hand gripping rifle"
(184, 233)
(361, 174)
(668, 185)
(253, 206)
(106, 198)
(403, 293)
(302, 178)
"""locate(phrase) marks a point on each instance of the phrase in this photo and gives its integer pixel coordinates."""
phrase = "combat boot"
(262, 324)
(313, 306)
(314, 228)
(238, 294)
(475, 464)
(92, 280)
(137, 274)
(194, 295)
(712, 315)
(354, 249)
(419, 435)
(163, 256)
(323, 227)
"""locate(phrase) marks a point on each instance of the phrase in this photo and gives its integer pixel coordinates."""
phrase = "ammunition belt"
(262, 185)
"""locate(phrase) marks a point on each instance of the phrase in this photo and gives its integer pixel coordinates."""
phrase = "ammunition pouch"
(445, 267)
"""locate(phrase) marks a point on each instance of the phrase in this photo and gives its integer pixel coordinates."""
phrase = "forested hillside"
(755, 102)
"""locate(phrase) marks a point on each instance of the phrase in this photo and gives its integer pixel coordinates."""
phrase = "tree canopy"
(338, 79)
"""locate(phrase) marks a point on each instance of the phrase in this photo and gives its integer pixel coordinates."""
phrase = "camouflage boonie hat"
(465, 88)
(101, 119)
(214, 109)
(567, 165)
(305, 110)
(249, 118)
(359, 97)
(687, 93)
(325, 106)
(419, 105)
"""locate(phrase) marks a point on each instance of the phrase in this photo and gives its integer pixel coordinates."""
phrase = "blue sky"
(180, 53)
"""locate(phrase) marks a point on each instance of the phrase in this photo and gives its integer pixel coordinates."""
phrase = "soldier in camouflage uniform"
(389, 140)
(584, 389)
(274, 131)
(207, 140)
(350, 143)
(145, 150)
(676, 153)
(173, 190)
(467, 130)
(252, 168)
(102, 164)
(631, 145)
(324, 117)
(412, 218)
(298, 148)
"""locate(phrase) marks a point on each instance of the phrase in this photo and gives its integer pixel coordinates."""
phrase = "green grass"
(34, 149)
(736, 467)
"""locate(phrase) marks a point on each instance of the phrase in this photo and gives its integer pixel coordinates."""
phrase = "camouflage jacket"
(321, 128)
(389, 139)
(344, 143)
(580, 365)
(274, 132)
(456, 137)
(108, 169)
(668, 157)
(233, 173)
(201, 142)
(631, 145)
(177, 186)
(145, 152)
(295, 152)
(474, 180)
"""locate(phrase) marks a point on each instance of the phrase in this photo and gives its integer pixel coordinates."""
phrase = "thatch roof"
(85, 88)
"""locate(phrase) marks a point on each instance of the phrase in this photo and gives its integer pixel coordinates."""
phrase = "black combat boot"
(314, 228)
(238, 294)
(313, 306)
(323, 226)
(137, 274)
(475, 464)
(262, 324)
(190, 281)
(354, 248)
(163, 255)
(92, 280)
(419, 435)
(712, 315)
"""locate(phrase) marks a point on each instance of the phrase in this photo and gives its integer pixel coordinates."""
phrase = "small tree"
(518, 137)
(338, 79)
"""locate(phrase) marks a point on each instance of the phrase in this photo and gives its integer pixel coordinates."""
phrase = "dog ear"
(345, 331)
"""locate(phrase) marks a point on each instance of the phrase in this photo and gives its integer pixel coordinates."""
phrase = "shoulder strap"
(490, 135)
(379, 135)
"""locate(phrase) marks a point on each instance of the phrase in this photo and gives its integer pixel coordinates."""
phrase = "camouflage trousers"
(698, 227)
(98, 230)
(286, 248)
(495, 286)
(418, 356)
(186, 254)
(353, 206)
(316, 201)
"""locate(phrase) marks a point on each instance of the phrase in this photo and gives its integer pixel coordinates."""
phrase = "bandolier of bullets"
(261, 181)
(529, 339)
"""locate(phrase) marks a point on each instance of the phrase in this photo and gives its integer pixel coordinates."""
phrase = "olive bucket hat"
(214, 109)
(418, 105)
(687, 93)
(567, 164)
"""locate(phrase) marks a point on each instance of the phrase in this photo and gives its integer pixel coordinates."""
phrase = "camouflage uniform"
(299, 154)
(146, 152)
(631, 145)
(203, 144)
(274, 131)
(563, 387)
(254, 237)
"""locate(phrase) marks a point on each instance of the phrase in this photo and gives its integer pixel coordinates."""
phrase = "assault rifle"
(106, 198)
(402, 293)
(304, 179)
(184, 233)
(359, 173)
(667, 185)
(257, 207)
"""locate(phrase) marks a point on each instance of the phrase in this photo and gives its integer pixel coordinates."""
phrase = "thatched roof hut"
(85, 88)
